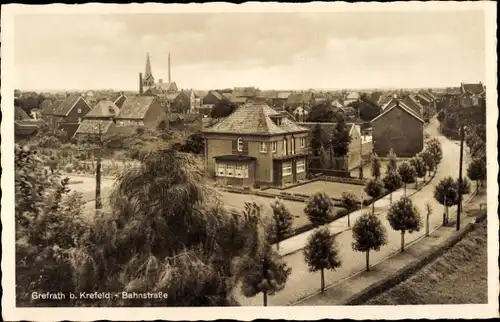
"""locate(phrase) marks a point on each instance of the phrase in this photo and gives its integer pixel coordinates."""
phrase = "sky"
(287, 50)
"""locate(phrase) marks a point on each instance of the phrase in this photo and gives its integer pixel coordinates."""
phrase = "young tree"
(281, 222)
(434, 147)
(477, 171)
(350, 202)
(321, 253)
(318, 140)
(319, 209)
(263, 271)
(368, 234)
(446, 193)
(407, 173)
(321, 113)
(195, 143)
(420, 169)
(392, 164)
(403, 216)
(428, 161)
(428, 209)
(223, 108)
(374, 189)
(392, 182)
(375, 166)
(340, 139)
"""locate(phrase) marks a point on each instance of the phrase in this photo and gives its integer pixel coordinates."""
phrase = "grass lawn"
(459, 276)
(237, 201)
(333, 189)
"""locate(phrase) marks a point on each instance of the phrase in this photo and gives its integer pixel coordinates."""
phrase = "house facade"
(99, 121)
(399, 128)
(256, 145)
(472, 95)
(142, 111)
(66, 114)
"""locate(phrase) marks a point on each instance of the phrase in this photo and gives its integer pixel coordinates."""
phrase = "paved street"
(302, 283)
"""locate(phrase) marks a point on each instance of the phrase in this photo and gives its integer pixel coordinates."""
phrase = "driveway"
(302, 283)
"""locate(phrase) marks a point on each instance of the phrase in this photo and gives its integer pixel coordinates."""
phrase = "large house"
(70, 110)
(360, 145)
(145, 111)
(399, 128)
(99, 120)
(256, 145)
(472, 95)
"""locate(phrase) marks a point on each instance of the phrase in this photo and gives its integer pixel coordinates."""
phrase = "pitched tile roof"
(473, 88)
(424, 97)
(90, 126)
(327, 128)
(104, 108)
(353, 96)
(120, 100)
(244, 92)
(226, 96)
(45, 106)
(63, 107)
(393, 104)
(295, 98)
(254, 118)
(20, 114)
(135, 107)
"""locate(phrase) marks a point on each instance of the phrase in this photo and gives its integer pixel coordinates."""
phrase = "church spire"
(148, 72)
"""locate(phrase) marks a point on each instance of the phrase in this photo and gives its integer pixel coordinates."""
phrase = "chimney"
(140, 83)
(169, 80)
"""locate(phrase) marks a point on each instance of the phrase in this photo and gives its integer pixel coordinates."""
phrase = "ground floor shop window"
(301, 166)
(287, 169)
(232, 171)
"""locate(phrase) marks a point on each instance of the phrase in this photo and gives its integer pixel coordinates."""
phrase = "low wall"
(404, 273)
(348, 180)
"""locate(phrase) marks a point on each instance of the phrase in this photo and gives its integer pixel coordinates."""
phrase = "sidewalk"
(341, 292)
(302, 283)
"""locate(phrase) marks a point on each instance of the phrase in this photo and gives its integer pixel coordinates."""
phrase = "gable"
(393, 104)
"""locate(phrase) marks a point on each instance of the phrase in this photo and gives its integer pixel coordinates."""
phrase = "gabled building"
(66, 114)
(213, 97)
(144, 111)
(181, 103)
(300, 114)
(400, 128)
(255, 144)
(359, 146)
(99, 120)
(472, 95)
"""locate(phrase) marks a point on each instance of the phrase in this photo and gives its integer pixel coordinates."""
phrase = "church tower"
(148, 79)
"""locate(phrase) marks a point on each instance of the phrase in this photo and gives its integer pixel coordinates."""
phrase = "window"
(79, 111)
(293, 146)
(285, 147)
(287, 169)
(274, 146)
(79, 120)
(230, 170)
(475, 101)
(301, 166)
(263, 147)
(302, 142)
(221, 170)
(238, 172)
(240, 145)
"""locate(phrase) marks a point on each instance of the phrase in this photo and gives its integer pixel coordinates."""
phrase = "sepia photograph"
(332, 156)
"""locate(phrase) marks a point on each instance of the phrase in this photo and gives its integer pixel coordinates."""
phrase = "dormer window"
(276, 119)
(240, 145)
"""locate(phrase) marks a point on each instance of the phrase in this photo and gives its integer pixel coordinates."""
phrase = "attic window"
(240, 145)
(277, 119)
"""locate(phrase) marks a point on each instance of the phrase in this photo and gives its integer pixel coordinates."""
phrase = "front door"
(277, 173)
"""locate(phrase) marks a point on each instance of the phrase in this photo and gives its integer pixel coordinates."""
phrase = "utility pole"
(459, 206)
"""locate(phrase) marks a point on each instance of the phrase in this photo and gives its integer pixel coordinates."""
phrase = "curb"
(472, 195)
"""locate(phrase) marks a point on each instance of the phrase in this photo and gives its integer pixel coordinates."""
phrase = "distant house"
(183, 121)
(257, 145)
(245, 92)
(181, 103)
(99, 120)
(300, 114)
(119, 99)
(351, 97)
(472, 95)
(206, 109)
(279, 99)
(146, 111)
(306, 100)
(24, 126)
(195, 101)
(399, 128)
(212, 98)
(66, 114)
(337, 104)
(360, 144)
